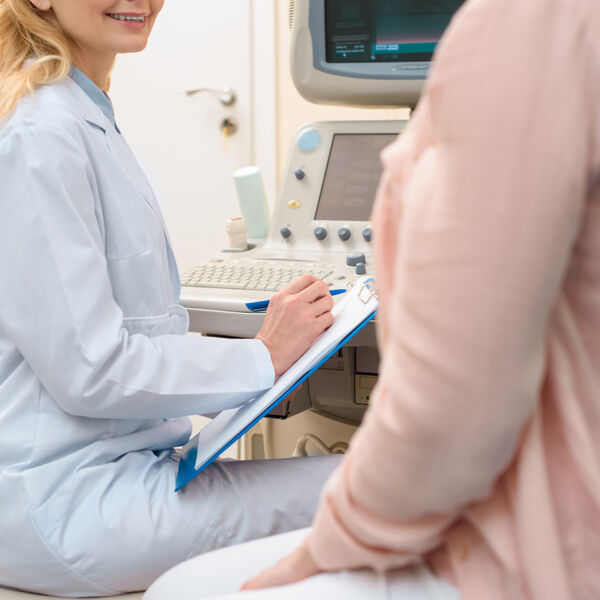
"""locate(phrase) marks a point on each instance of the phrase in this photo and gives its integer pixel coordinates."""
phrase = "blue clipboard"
(187, 465)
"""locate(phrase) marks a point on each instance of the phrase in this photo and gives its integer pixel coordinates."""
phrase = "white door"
(177, 138)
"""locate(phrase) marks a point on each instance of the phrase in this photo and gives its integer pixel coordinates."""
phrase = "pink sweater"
(481, 449)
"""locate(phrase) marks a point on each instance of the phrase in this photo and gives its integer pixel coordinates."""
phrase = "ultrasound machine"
(344, 52)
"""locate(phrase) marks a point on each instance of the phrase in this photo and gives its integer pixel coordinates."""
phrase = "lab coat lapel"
(117, 145)
(85, 106)
(120, 148)
(92, 114)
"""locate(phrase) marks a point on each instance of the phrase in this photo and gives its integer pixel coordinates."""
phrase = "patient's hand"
(293, 568)
(297, 315)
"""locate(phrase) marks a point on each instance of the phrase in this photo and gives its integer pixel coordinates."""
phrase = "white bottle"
(253, 201)
(237, 230)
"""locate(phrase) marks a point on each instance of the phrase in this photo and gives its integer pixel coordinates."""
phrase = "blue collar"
(99, 98)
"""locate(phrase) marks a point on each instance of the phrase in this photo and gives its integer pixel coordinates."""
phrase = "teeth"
(124, 18)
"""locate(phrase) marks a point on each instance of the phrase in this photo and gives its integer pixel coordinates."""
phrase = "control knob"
(300, 174)
(286, 232)
(367, 234)
(361, 269)
(320, 233)
(344, 233)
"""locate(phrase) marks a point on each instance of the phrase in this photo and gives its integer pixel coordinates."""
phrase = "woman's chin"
(133, 46)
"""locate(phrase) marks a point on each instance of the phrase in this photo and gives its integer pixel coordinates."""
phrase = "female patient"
(96, 374)
(480, 454)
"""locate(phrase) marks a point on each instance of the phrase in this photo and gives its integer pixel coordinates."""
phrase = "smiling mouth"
(132, 19)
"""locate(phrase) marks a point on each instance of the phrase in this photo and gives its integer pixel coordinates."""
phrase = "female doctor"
(96, 372)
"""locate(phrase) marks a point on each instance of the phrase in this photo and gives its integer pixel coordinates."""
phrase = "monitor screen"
(385, 30)
(352, 176)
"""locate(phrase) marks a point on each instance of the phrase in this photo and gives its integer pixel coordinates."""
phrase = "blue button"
(309, 140)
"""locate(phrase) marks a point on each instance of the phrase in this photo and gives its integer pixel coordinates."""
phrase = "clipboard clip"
(368, 291)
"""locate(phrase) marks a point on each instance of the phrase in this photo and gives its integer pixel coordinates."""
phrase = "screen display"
(385, 30)
(352, 176)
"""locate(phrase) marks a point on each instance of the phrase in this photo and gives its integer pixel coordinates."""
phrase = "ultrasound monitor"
(366, 52)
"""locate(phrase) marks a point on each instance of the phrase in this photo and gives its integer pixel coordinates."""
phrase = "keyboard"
(253, 274)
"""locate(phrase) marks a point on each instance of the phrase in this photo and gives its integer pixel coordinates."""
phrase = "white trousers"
(220, 574)
(124, 525)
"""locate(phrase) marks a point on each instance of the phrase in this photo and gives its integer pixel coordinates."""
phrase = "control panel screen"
(385, 30)
(352, 176)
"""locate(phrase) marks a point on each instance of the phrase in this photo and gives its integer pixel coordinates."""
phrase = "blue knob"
(355, 258)
(309, 140)
(361, 269)
(367, 234)
(344, 233)
(320, 233)
(300, 174)
(286, 232)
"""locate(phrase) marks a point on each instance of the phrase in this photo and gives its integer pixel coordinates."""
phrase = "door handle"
(226, 96)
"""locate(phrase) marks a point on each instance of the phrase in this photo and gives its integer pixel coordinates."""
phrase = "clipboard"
(351, 314)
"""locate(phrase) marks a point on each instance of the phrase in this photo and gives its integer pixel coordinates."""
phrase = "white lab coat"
(97, 376)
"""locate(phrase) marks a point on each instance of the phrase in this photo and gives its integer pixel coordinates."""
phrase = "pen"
(261, 306)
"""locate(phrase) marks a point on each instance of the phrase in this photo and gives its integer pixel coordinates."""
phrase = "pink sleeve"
(477, 214)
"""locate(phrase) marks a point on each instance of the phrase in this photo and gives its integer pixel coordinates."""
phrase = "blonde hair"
(33, 51)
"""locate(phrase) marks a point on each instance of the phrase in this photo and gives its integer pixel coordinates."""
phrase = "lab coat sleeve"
(57, 307)
(477, 216)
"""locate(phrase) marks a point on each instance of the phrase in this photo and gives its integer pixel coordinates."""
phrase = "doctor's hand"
(296, 316)
(293, 568)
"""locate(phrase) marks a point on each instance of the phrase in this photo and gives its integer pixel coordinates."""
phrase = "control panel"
(329, 186)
